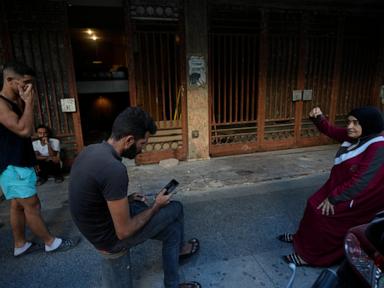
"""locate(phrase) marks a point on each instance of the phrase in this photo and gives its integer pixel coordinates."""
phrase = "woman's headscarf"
(370, 119)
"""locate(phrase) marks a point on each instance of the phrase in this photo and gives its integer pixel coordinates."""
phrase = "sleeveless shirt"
(14, 149)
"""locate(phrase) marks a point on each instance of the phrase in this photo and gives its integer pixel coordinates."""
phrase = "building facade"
(219, 77)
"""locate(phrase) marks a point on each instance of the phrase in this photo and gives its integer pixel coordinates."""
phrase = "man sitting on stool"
(47, 152)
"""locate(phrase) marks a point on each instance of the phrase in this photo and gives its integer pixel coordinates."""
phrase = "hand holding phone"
(170, 186)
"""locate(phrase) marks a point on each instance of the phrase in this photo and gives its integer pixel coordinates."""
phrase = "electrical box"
(68, 105)
(307, 95)
(195, 134)
(296, 95)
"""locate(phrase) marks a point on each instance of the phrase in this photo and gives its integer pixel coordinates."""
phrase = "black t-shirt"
(97, 175)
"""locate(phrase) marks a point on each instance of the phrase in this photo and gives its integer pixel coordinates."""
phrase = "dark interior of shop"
(100, 67)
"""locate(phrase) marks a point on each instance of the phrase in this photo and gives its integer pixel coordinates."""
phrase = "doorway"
(99, 53)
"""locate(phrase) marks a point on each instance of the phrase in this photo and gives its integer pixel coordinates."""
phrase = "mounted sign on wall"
(68, 105)
(301, 95)
(297, 95)
(197, 73)
(307, 95)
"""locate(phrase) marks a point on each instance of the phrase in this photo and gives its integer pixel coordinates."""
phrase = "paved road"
(236, 223)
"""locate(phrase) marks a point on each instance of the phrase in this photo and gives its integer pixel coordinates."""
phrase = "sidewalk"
(233, 171)
(235, 205)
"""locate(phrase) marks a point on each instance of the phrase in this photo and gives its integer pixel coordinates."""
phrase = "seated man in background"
(47, 152)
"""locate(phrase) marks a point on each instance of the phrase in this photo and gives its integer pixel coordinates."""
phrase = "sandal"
(294, 259)
(286, 237)
(195, 247)
(192, 284)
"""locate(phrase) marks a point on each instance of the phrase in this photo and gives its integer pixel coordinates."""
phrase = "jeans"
(167, 225)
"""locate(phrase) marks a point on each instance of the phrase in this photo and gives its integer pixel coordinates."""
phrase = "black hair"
(133, 121)
(45, 127)
(18, 68)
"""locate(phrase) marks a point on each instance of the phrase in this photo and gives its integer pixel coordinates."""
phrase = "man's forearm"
(51, 152)
(26, 119)
(41, 158)
(138, 221)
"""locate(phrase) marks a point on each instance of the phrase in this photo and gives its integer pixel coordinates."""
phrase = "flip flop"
(286, 237)
(294, 259)
(195, 248)
(192, 284)
(33, 248)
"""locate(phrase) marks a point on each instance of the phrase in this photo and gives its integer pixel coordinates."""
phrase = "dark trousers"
(48, 168)
(167, 225)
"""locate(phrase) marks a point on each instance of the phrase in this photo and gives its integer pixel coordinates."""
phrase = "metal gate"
(233, 81)
(159, 78)
(361, 63)
(322, 41)
(284, 54)
(269, 68)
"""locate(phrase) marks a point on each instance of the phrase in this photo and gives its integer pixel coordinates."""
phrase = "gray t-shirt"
(97, 175)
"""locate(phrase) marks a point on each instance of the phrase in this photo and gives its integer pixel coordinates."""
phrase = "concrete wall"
(197, 95)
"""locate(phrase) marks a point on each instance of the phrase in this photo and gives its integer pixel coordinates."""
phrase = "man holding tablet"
(109, 219)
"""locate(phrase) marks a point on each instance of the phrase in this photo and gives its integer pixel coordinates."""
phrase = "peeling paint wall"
(197, 93)
(198, 147)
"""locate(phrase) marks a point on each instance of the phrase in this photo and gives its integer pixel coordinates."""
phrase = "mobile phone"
(170, 186)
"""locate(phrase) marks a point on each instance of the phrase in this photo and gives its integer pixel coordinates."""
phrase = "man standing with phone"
(17, 159)
(113, 222)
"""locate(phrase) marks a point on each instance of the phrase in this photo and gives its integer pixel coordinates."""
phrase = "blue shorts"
(18, 182)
